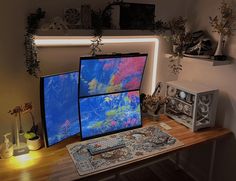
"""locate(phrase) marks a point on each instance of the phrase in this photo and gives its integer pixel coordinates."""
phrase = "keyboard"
(105, 145)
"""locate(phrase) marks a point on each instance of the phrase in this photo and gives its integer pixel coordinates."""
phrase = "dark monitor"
(112, 73)
(110, 113)
(59, 105)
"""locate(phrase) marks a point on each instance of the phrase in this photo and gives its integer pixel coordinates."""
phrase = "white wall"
(17, 87)
(223, 77)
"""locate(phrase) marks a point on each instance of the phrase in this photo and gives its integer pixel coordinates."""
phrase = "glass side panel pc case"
(111, 73)
(110, 113)
(59, 105)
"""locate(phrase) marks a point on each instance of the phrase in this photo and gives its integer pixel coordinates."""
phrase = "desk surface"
(55, 163)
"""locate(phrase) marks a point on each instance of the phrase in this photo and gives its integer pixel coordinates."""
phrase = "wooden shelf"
(89, 32)
(213, 62)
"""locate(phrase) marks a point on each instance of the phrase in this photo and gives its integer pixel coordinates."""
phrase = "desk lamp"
(19, 148)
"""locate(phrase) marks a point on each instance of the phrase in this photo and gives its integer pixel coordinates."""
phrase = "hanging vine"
(101, 19)
(31, 58)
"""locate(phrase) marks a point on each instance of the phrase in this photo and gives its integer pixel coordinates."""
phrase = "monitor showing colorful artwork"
(104, 114)
(60, 106)
(110, 74)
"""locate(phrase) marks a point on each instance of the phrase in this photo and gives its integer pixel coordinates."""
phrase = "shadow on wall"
(225, 111)
(225, 149)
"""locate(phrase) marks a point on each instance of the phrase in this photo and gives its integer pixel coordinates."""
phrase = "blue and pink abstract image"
(109, 113)
(101, 76)
(61, 106)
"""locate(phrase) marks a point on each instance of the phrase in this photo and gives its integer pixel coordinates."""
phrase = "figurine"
(6, 149)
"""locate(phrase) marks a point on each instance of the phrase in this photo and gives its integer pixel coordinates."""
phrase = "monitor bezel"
(107, 56)
(111, 132)
(42, 106)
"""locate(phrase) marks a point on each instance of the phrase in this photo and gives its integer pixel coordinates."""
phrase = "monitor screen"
(59, 103)
(110, 74)
(105, 114)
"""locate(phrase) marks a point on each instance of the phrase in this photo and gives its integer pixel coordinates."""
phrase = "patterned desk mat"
(140, 144)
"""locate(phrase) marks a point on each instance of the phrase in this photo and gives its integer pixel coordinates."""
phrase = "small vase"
(220, 46)
(219, 53)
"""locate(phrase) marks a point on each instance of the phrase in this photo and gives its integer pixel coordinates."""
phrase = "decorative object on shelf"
(86, 16)
(223, 25)
(31, 58)
(191, 104)
(72, 17)
(6, 148)
(152, 105)
(20, 147)
(33, 139)
(199, 46)
(136, 15)
(57, 23)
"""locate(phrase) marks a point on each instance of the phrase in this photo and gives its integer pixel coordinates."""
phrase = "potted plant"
(33, 139)
(178, 39)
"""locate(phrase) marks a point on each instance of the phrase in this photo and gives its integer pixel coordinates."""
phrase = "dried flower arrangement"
(223, 24)
(152, 104)
(18, 111)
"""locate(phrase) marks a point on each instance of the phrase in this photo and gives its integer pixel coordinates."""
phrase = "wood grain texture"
(55, 163)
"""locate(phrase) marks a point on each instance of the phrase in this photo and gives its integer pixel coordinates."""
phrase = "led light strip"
(52, 41)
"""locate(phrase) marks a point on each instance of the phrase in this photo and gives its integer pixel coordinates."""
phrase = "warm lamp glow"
(24, 161)
(45, 41)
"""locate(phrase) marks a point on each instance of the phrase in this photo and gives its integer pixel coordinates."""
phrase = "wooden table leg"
(177, 160)
(212, 160)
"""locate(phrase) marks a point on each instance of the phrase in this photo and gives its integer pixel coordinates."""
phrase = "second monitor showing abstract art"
(105, 114)
(110, 74)
(59, 101)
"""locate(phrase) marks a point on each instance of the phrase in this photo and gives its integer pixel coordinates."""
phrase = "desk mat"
(140, 144)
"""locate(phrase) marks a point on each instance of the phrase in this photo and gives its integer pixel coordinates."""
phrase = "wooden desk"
(55, 163)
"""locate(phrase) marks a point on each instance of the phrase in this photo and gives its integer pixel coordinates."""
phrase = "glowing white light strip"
(61, 42)
(42, 41)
